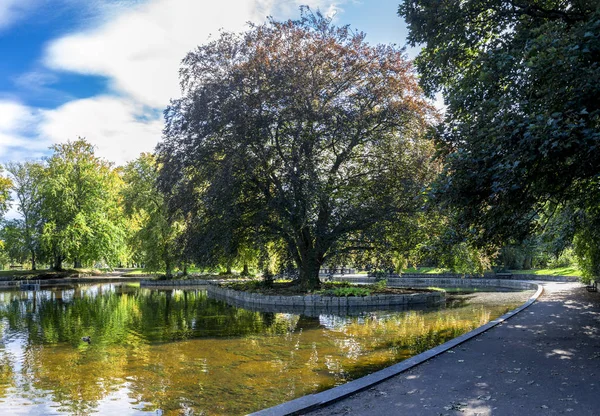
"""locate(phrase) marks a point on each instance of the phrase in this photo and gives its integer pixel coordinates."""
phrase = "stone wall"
(240, 298)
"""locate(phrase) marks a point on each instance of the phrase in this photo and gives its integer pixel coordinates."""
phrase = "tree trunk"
(77, 264)
(245, 272)
(58, 263)
(309, 270)
(168, 269)
(33, 266)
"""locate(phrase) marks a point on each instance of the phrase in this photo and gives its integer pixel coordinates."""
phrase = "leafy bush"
(380, 284)
(566, 259)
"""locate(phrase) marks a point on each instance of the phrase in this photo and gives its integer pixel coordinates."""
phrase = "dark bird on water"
(87, 339)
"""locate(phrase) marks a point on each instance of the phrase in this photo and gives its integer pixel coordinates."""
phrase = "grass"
(143, 272)
(561, 271)
(47, 273)
(425, 270)
(340, 289)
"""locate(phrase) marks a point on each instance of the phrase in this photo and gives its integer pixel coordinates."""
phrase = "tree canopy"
(296, 132)
(27, 178)
(154, 231)
(521, 81)
(80, 206)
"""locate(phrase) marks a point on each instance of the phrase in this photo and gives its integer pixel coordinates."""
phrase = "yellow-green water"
(179, 352)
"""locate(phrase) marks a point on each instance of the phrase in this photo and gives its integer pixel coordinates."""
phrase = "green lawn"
(561, 271)
(425, 270)
(46, 273)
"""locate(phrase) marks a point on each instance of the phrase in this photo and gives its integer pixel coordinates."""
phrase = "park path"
(543, 361)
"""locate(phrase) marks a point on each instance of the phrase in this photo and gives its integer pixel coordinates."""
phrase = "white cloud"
(17, 123)
(141, 49)
(138, 47)
(118, 127)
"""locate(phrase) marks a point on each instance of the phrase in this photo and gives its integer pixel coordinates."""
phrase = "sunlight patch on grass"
(561, 271)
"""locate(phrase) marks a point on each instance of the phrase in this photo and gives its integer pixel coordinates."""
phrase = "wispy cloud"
(18, 136)
(12, 11)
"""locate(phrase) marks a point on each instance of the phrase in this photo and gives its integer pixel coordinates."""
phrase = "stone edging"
(242, 299)
(314, 401)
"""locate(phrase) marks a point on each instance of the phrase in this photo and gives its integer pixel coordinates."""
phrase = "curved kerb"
(313, 401)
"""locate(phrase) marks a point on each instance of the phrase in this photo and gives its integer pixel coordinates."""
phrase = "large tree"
(521, 82)
(299, 132)
(80, 206)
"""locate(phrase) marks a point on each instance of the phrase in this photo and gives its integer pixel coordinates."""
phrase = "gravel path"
(543, 361)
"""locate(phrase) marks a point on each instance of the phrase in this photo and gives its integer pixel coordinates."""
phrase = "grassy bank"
(561, 271)
(47, 273)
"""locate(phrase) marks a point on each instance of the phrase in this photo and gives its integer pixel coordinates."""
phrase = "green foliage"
(27, 179)
(521, 82)
(298, 134)
(380, 284)
(14, 245)
(5, 185)
(80, 207)
(153, 231)
(587, 245)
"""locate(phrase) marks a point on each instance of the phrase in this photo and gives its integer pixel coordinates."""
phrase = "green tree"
(299, 131)
(15, 246)
(26, 184)
(155, 230)
(5, 184)
(80, 206)
(521, 81)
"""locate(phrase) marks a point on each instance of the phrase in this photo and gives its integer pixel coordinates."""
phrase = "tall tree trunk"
(245, 272)
(77, 264)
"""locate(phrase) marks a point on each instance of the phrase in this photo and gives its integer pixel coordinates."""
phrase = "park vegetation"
(297, 145)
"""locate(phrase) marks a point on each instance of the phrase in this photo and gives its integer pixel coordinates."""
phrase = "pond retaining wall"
(246, 299)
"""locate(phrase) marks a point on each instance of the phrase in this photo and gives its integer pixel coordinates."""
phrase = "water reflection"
(181, 353)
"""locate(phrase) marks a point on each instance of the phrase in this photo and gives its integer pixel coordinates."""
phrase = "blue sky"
(105, 69)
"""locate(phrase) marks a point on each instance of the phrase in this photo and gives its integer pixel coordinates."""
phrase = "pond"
(180, 352)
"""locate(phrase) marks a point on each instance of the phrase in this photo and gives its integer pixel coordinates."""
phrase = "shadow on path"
(543, 361)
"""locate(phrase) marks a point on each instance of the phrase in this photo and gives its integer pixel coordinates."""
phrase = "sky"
(106, 69)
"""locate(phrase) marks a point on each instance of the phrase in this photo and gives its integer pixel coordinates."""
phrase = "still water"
(180, 352)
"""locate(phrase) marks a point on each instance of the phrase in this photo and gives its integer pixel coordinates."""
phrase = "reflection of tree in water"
(122, 322)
